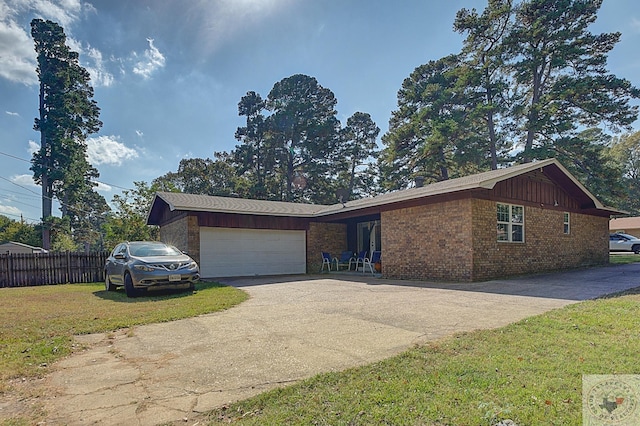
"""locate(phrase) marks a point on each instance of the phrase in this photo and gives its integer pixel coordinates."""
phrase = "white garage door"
(236, 252)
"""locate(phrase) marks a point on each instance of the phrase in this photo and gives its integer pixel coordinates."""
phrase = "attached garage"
(230, 252)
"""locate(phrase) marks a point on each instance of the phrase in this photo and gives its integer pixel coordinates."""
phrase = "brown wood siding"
(228, 220)
(168, 216)
(534, 191)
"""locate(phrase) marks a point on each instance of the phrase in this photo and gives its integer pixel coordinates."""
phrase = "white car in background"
(624, 242)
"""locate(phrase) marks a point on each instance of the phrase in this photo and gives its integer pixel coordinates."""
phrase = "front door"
(369, 236)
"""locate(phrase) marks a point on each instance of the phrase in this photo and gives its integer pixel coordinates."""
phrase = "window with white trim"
(567, 223)
(510, 223)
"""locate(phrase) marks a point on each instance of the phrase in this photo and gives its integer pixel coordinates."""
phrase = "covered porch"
(344, 239)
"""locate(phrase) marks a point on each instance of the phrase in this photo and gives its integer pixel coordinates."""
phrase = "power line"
(50, 198)
(14, 157)
(20, 193)
(94, 181)
(21, 202)
(20, 186)
(20, 216)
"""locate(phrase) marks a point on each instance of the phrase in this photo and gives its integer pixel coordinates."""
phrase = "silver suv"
(144, 265)
(624, 242)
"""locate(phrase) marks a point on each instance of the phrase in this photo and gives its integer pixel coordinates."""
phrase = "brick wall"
(457, 241)
(546, 247)
(430, 242)
(183, 233)
(329, 237)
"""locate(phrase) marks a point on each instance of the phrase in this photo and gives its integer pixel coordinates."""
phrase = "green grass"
(529, 372)
(617, 259)
(37, 324)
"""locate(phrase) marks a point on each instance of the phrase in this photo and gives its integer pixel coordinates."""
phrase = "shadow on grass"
(155, 295)
(629, 292)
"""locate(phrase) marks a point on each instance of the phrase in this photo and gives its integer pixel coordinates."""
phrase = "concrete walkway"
(291, 328)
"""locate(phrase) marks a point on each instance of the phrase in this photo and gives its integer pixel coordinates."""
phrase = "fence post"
(68, 266)
(10, 272)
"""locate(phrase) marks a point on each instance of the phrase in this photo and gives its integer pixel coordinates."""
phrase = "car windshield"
(622, 236)
(146, 250)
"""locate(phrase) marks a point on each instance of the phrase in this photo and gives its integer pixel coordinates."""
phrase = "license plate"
(175, 277)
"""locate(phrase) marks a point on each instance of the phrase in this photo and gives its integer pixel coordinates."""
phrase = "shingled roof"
(207, 203)
(485, 180)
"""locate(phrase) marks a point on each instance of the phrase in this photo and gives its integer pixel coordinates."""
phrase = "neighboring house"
(628, 225)
(13, 247)
(523, 219)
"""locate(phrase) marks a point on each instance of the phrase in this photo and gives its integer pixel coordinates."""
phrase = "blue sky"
(168, 74)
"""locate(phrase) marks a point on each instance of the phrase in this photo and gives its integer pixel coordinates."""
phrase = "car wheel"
(636, 249)
(108, 285)
(128, 286)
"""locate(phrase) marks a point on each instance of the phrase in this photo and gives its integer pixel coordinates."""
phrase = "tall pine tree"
(67, 115)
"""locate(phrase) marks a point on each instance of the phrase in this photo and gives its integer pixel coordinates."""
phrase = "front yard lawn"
(618, 258)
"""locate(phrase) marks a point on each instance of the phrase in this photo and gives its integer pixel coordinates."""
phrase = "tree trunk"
(490, 123)
(44, 178)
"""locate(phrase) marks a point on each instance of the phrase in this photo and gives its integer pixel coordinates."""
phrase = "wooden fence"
(19, 270)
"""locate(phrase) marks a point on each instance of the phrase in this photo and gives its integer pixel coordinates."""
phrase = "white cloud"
(13, 114)
(635, 24)
(108, 150)
(33, 147)
(99, 74)
(17, 57)
(91, 60)
(152, 61)
(10, 210)
(103, 187)
(24, 180)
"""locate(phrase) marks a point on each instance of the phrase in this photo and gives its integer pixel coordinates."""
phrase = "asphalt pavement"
(291, 328)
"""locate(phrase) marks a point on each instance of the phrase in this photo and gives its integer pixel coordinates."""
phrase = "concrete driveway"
(291, 328)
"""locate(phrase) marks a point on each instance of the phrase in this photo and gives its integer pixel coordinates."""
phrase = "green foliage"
(528, 82)
(585, 155)
(625, 152)
(559, 68)
(19, 232)
(204, 176)
(62, 242)
(255, 159)
(433, 134)
(484, 63)
(67, 115)
(128, 221)
(305, 131)
(291, 148)
(357, 146)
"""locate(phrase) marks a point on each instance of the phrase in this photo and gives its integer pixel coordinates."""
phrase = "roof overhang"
(486, 180)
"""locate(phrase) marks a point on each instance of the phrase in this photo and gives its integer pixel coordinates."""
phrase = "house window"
(510, 223)
(567, 227)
